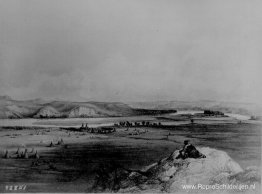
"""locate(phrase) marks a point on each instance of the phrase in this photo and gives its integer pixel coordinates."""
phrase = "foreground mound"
(176, 175)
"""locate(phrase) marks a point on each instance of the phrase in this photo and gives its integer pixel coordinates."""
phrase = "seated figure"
(189, 151)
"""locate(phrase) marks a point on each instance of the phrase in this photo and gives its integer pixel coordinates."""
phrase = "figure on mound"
(189, 151)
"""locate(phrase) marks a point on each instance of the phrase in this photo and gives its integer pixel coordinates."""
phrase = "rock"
(170, 173)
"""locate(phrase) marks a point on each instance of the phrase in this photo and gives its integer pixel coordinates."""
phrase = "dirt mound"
(170, 174)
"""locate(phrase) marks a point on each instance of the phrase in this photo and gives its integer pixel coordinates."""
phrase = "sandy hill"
(47, 111)
(39, 108)
(10, 108)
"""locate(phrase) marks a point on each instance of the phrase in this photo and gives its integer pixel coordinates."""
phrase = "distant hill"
(39, 108)
(226, 107)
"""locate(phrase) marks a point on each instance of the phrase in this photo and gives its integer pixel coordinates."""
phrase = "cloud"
(131, 50)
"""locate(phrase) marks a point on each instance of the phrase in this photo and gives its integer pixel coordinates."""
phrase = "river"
(106, 121)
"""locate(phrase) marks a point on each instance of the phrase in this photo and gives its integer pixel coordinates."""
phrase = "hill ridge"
(39, 108)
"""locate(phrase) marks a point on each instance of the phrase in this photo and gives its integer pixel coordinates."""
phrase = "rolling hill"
(226, 107)
(39, 108)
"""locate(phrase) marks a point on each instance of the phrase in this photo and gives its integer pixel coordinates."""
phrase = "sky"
(131, 50)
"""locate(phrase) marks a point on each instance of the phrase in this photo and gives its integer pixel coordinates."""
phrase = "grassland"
(74, 166)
